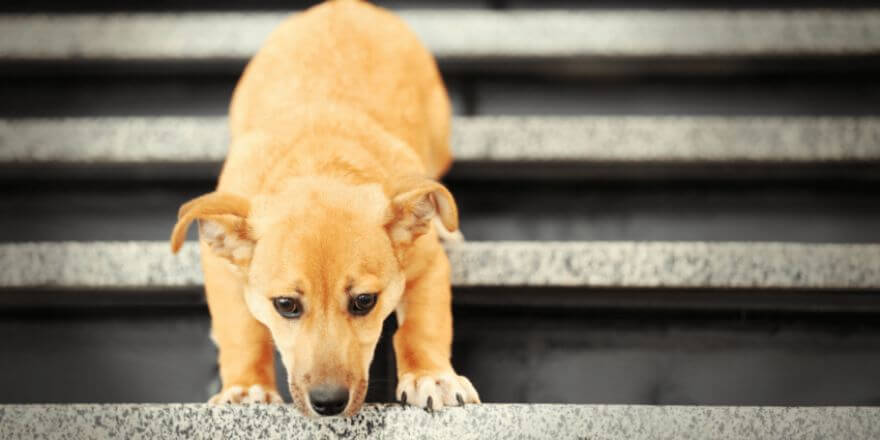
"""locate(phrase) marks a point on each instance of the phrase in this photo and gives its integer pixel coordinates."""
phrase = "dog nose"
(328, 400)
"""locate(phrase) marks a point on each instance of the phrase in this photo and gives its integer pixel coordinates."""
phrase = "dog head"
(320, 262)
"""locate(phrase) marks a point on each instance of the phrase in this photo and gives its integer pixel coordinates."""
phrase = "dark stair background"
(64, 346)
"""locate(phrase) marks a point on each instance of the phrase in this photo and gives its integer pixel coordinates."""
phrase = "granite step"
(584, 145)
(641, 265)
(474, 421)
(557, 41)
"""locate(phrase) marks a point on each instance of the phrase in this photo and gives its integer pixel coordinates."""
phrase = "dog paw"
(239, 394)
(434, 391)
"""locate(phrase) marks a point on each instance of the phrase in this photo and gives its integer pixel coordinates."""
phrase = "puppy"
(322, 221)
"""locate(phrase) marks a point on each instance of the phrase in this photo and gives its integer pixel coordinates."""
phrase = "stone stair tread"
(478, 35)
(486, 421)
(590, 139)
(601, 264)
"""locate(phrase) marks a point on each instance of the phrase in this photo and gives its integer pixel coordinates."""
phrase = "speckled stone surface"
(43, 422)
(104, 264)
(666, 264)
(667, 139)
(589, 264)
(114, 140)
(478, 34)
(477, 139)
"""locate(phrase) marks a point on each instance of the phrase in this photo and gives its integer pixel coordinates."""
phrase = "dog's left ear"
(415, 203)
(223, 225)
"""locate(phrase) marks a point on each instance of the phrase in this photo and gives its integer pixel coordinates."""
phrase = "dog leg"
(423, 343)
(247, 370)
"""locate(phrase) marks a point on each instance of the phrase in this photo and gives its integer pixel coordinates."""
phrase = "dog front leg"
(246, 357)
(423, 342)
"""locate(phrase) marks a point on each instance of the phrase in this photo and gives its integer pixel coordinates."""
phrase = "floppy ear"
(416, 202)
(222, 225)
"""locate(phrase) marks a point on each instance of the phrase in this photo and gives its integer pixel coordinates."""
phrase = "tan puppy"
(321, 224)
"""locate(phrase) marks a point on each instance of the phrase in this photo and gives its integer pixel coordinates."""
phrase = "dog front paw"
(239, 394)
(436, 390)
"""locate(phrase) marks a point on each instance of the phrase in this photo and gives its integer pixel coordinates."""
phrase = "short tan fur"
(339, 126)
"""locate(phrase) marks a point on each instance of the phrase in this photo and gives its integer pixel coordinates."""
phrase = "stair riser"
(163, 354)
(492, 210)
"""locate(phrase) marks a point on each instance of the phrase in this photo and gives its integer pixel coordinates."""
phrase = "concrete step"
(633, 139)
(559, 41)
(482, 145)
(641, 265)
(474, 421)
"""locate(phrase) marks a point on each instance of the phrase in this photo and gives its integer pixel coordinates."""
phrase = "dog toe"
(435, 391)
(253, 394)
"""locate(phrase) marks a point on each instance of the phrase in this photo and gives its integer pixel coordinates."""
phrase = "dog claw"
(433, 392)
(403, 398)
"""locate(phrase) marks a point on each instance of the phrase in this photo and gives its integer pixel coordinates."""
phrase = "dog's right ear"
(414, 205)
(223, 226)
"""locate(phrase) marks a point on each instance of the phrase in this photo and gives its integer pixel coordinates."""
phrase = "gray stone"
(667, 139)
(99, 264)
(586, 264)
(118, 140)
(501, 421)
(666, 264)
(114, 140)
(477, 34)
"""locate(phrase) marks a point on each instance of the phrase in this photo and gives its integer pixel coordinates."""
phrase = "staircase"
(671, 210)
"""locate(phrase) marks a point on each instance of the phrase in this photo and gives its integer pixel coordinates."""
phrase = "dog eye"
(288, 307)
(362, 304)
